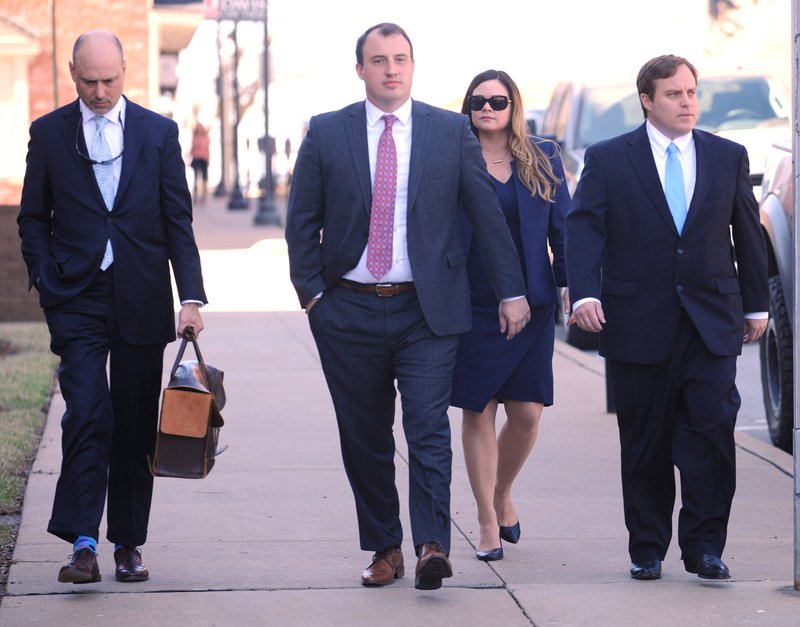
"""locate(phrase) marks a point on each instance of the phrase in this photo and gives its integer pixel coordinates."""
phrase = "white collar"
(115, 115)
(660, 142)
(402, 113)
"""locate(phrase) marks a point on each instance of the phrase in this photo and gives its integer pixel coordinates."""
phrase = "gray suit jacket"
(329, 209)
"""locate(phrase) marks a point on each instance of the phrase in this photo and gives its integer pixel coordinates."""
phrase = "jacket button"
(679, 288)
(108, 218)
(680, 251)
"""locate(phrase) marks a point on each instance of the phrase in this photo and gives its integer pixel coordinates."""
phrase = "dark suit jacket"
(64, 223)
(327, 223)
(541, 223)
(622, 247)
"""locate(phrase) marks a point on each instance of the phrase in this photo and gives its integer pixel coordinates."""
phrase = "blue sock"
(85, 542)
(117, 547)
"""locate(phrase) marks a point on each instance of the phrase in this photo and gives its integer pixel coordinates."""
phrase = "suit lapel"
(359, 151)
(705, 165)
(420, 143)
(640, 156)
(133, 136)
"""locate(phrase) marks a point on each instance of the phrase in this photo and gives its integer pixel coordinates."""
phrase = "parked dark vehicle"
(751, 110)
(776, 350)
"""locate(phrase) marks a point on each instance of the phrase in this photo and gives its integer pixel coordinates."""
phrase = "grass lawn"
(27, 377)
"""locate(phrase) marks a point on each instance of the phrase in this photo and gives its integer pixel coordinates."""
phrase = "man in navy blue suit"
(105, 210)
(401, 323)
(651, 266)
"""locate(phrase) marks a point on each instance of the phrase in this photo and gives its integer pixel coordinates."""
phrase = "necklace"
(500, 160)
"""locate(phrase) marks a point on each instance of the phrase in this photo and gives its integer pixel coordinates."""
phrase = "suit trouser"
(107, 430)
(682, 413)
(365, 342)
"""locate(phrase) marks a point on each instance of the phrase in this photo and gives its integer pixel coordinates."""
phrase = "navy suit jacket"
(541, 223)
(64, 223)
(327, 223)
(623, 248)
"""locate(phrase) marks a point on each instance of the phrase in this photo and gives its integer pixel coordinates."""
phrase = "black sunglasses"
(83, 155)
(497, 103)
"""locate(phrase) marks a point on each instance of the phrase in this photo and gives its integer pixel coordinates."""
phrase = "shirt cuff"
(580, 302)
(512, 298)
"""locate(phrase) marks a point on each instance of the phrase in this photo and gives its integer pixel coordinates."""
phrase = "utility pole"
(266, 205)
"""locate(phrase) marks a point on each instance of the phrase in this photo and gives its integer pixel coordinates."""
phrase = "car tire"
(777, 373)
(581, 339)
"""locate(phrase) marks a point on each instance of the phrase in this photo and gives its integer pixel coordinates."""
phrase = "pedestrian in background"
(200, 158)
(377, 262)
(529, 181)
(652, 268)
(105, 211)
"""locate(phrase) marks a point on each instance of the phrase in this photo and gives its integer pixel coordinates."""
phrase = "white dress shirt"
(401, 132)
(113, 132)
(686, 155)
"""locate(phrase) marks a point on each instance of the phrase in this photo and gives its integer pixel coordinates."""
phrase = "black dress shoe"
(646, 569)
(129, 565)
(707, 566)
(510, 534)
(81, 568)
(492, 555)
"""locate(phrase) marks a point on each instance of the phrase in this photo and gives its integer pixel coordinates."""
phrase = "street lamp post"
(221, 190)
(267, 213)
(237, 200)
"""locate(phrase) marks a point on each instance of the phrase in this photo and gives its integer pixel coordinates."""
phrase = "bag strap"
(189, 336)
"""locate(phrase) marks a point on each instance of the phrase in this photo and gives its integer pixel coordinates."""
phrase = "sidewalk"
(269, 537)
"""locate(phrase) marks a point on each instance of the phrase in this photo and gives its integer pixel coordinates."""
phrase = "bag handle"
(189, 336)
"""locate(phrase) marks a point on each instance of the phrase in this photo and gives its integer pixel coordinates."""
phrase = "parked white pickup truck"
(777, 218)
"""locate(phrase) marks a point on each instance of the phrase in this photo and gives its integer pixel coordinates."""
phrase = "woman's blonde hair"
(533, 167)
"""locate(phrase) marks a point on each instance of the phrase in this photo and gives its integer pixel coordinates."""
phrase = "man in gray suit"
(377, 262)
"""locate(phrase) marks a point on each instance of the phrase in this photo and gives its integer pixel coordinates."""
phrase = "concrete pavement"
(269, 537)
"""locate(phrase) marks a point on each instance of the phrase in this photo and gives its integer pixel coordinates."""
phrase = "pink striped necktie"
(381, 223)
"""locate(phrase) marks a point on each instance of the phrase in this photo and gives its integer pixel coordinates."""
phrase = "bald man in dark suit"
(105, 211)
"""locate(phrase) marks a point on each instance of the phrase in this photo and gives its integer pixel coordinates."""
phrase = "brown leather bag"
(188, 428)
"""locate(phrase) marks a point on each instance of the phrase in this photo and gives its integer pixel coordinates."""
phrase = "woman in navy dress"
(532, 192)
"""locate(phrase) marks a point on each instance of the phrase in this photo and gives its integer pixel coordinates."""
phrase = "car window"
(723, 104)
(728, 104)
(607, 111)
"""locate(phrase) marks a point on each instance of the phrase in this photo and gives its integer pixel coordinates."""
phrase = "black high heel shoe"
(492, 555)
(510, 534)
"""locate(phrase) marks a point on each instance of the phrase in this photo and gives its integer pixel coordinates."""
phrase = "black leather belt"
(384, 290)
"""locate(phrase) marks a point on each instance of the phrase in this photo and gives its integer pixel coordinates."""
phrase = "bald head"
(98, 69)
(95, 38)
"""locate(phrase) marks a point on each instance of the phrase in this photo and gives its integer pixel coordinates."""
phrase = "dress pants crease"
(103, 428)
(364, 343)
(680, 413)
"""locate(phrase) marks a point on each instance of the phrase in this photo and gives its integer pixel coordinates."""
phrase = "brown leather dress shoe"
(82, 568)
(432, 566)
(129, 565)
(386, 566)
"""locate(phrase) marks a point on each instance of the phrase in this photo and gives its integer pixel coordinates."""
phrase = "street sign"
(251, 10)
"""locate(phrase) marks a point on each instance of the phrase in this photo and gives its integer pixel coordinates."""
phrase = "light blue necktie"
(104, 173)
(673, 187)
